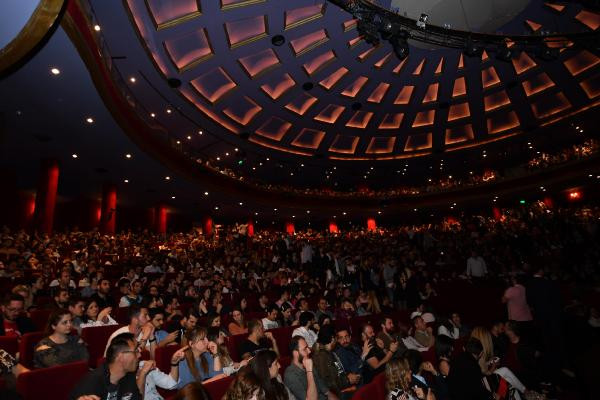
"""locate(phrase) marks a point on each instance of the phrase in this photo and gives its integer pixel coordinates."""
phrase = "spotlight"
(422, 22)
(473, 49)
(278, 40)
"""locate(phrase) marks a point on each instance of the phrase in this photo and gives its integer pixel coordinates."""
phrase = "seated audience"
(257, 340)
(115, 378)
(422, 333)
(195, 391)
(388, 336)
(465, 380)
(222, 357)
(270, 321)
(94, 317)
(377, 356)
(398, 379)
(265, 368)
(327, 366)
(154, 377)
(102, 297)
(199, 364)
(238, 324)
(59, 347)
(300, 378)
(76, 308)
(306, 321)
(452, 327)
(140, 327)
(12, 322)
(351, 355)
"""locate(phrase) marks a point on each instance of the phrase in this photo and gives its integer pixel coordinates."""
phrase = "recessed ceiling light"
(132, 79)
(227, 154)
(216, 207)
(178, 142)
(253, 168)
(89, 120)
(344, 213)
(153, 115)
(126, 181)
(236, 149)
(169, 111)
(415, 209)
(97, 28)
(274, 209)
(127, 155)
(173, 197)
(206, 193)
(241, 204)
(293, 216)
(255, 213)
(378, 212)
(74, 155)
(268, 159)
(189, 138)
(308, 211)
(218, 158)
(200, 133)
(55, 71)
(168, 178)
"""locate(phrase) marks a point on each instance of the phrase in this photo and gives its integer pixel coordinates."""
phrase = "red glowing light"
(574, 195)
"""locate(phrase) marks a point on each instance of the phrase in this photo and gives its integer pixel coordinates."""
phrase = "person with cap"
(306, 320)
(328, 366)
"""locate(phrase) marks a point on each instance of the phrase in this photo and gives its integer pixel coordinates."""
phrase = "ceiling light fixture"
(206, 193)
(126, 180)
(132, 79)
(89, 120)
(169, 111)
(200, 133)
(189, 138)
(153, 115)
(127, 155)
(55, 71)
(168, 178)
(97, 28)
(173, 197)
(74, 155)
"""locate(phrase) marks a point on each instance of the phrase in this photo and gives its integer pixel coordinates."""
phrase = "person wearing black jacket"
(12, 323)
(116, 378)
(465, 381)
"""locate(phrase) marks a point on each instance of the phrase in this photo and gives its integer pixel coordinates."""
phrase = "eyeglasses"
(136, 350)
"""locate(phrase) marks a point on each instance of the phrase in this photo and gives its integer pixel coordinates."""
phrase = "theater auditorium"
(299, 199)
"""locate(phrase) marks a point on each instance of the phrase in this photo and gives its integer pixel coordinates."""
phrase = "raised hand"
(179, 355)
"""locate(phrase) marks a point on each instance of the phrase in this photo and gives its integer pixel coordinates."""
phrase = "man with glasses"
(12, 322)
(116, 378)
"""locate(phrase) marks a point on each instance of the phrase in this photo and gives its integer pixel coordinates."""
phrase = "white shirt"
(157, 378)
(268, 324)
(307, 334)
(454, 334)
(98, 323)
(56, 282)
(476, 267)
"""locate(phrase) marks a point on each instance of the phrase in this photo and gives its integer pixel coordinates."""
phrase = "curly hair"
(245, 386)
(397, 375)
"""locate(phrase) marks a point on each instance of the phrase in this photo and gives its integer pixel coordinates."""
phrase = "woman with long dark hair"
(59, 346)
(266, 367)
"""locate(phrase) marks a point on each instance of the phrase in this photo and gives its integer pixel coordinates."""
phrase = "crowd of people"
(432, 185)
(199, 293)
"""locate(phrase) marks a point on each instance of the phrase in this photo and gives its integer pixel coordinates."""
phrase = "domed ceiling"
(294, 80)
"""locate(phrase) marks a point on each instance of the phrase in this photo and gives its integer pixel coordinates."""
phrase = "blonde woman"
(398, 377)
(485, 337)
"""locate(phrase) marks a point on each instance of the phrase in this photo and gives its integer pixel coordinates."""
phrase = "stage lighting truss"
(375, 22)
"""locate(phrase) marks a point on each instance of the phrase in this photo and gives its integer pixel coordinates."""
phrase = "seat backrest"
(218, 388)
(282, 337)
(96, 338)
(27, 347)
(9, 344)
(39, 318)
(233, 345)
(162, 356)
(54, 383)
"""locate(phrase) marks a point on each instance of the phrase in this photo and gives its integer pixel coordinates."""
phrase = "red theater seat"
(27, 347)
(122, 315)
(233, 344)
(9, 344)
(217, 388)
(96, 338)
(54, 383)
(40, 318)
(282, 337)
(162, 356)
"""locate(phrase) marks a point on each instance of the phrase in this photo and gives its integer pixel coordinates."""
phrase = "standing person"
(116, 378)
(59, 346)
(515, 298)
(476, 266)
